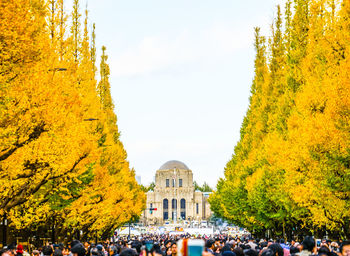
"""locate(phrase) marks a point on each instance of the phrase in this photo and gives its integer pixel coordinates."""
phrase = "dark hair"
(226, 248)
(228, 253)
(137, 245)
(156, 248)
(293, 250)
(47, 250)
(238, 251)
(263, 244)
(277, 249)
(57, 252)
(209, 243)
(250, 252)
(2, 251)
(78, 249)
(308, 243)
(344, 243)
(324, 250)
(128, 252)
(94, 251)
(268, 252)
(115, 249)
(74, 242)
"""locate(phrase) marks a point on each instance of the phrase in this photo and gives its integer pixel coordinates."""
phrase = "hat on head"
(99, 247)
(19, 249)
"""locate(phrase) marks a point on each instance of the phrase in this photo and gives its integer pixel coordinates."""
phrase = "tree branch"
(38, 130)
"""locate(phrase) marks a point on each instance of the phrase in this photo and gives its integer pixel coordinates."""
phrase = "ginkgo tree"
(54, 125)
(290, 171)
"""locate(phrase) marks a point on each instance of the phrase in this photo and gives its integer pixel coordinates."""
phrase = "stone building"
(174, 196)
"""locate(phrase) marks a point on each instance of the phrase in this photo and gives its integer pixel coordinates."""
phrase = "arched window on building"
(183, 208)
(165, 209)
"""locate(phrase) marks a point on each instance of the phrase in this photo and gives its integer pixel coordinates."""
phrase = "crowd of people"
(165, 245)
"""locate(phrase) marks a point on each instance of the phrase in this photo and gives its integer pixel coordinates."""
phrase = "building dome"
(174, 165)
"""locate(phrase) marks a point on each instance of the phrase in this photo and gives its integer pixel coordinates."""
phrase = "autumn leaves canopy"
(290, 171)
(61, 157)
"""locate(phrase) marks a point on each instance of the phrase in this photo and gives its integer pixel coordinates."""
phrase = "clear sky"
(181, 72)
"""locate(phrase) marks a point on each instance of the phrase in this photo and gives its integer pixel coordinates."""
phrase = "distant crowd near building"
(175, 197)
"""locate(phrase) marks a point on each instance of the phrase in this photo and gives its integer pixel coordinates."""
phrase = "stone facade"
(174, 196)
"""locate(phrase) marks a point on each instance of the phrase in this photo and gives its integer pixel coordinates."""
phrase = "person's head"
(113, 250)
(250, 252)
(94, 252)
(294, 250)
(238, 251)
(74, 242)
(137, 246)
(345, 248)
(263, 244)
(228, 253)
(5, 252)
(210, 244)
(308, 243)
(35, 253)
(99, 247)
(277, 249)
(168, 251)
(57, 252)
(47, 250)
(268, 252)
(324, 250)
(167, 243)
(227, 247)
(12, 248)
(128, 252)
(78, 250)
(174, 248)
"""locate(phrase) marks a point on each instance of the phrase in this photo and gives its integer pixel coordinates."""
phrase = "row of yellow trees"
(290, 171)
(61, 158)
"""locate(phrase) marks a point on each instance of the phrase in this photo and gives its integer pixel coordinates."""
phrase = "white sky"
(181, 72)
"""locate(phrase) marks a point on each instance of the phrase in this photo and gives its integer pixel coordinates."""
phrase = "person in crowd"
(65, 251)
(238, 251)
(168, 251)
(277, 249)
(5, 252)
(78, 250)
(268, 252)
(345, 248)
(113, 251)
(252, 244)
(174, 249)
(308, 247)
(57, 252)
(293, 250)
(324, 251)
(47, 250)
(250, 252)
(210, 245)
(128, 252)
(19, 251)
